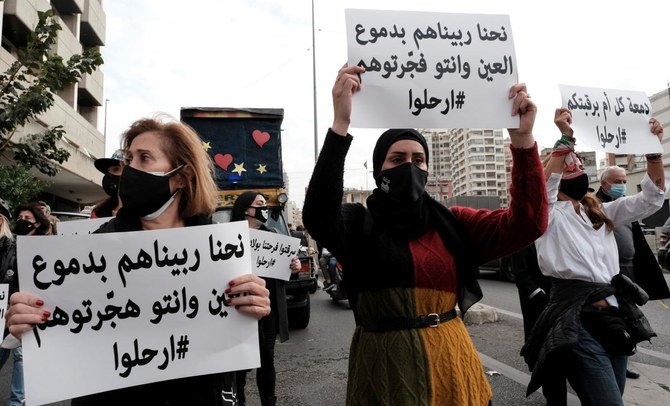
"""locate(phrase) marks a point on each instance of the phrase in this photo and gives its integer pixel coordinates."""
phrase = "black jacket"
(646, 271)
(558, 326)
(528, 278)
(8, 273)
(278, 306)
(204, 390)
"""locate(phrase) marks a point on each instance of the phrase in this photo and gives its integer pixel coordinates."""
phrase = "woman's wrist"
(340, 128)
(568, 132)
(565, 143)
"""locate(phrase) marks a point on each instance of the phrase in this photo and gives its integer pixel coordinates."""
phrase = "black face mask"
(261, 213)
(23, 227)
(576, 187)
(143, 193)
(110, 184)
(405, 183)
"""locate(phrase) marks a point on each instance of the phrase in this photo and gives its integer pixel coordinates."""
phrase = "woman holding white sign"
(591, 322)
(252, 207)
(408, 260)
(166, 183)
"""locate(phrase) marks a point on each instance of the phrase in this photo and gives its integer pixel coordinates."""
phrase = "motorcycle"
(336, 288)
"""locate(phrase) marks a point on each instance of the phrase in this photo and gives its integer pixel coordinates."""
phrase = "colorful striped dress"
(390, 276)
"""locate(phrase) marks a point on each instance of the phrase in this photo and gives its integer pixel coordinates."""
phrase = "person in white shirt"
(579, 252)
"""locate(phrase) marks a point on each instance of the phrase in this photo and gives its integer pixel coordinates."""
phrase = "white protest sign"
(85, 226)
(271, 254)
(609, 120)
(4, 299)
(132, 308)
(432, 70)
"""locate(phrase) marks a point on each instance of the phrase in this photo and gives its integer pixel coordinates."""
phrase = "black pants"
(265, 375)
(554, 387)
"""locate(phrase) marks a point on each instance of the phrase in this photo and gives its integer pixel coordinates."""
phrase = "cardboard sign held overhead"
(432, 70)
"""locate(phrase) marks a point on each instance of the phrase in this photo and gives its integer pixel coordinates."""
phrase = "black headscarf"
(410, 220)
(242, 202)
(389, 138)
(413, 220)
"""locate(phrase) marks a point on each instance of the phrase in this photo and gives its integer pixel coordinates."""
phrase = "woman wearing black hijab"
(408, 260)
(252, 207)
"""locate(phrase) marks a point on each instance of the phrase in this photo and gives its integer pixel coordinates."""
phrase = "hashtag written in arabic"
(182, 347)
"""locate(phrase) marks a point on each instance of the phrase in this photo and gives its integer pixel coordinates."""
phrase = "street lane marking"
(516, 375)
(508, 313)
(651, 353)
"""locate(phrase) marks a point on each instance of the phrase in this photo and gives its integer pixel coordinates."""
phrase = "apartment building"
(440, 185)
(478, 163)
(466, 162)
(78, 107)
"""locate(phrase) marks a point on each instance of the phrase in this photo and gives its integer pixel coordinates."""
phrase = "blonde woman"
(166, 183)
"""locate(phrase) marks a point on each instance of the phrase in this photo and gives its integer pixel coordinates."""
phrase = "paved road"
(312, 365)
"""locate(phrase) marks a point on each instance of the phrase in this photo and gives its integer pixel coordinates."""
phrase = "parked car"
(502, 266)
(302, 283)
(67, 216)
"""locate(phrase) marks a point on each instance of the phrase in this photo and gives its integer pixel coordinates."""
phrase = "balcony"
(93, 22)
(20, 16)
(66, 43)
(67, 7)
(91, 89)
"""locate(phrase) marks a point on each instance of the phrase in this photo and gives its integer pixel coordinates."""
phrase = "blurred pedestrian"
(31, 219)
(534, 290)
(636, 259)
(252, 207)
(9, 276)
(111, 169)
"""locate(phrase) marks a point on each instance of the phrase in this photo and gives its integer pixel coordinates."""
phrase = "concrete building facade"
(478, 163)
(439, 151)
(351, 195)
(76, 108)
(467, 162)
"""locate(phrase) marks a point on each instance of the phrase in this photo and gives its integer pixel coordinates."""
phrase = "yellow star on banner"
(206, 146)
(261, 168)
(239, 168)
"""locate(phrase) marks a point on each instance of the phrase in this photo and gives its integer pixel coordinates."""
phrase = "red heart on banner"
(223, 161)
(261, 137)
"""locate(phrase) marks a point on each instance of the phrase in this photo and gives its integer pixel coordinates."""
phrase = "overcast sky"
(161, 55)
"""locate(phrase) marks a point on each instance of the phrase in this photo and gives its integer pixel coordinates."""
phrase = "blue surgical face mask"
(616, 190)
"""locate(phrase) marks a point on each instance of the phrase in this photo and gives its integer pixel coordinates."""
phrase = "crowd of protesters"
(408, 262)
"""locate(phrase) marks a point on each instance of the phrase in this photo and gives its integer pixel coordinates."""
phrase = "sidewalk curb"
(652, 388)
(479, 314)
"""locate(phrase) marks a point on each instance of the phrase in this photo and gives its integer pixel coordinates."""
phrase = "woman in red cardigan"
(408, 260)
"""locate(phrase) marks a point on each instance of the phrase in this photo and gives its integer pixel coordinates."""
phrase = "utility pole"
(316, 128)
(104, 130)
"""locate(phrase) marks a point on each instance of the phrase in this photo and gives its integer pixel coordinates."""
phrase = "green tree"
(27, 89)
(18, 186)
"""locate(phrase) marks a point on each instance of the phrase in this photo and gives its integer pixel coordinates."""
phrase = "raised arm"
(564, 146)
(655, 161)
(501, 232)
(347, 83)
(322, 211)
(522, 137)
